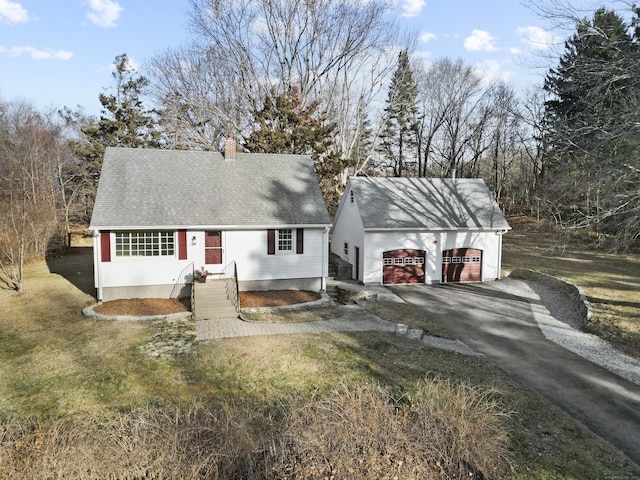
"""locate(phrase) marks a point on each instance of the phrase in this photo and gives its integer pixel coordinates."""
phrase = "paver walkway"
(355, 319)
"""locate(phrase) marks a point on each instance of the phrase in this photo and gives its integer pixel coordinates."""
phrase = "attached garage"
(403, 266)
(462, 265)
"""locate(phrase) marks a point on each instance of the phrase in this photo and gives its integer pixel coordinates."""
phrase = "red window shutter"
(182, 244)
(300, 240)
(105, 246)
(271, 242)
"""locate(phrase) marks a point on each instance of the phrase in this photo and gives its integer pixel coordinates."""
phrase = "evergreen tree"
(124, 122)
(285, 125)
(593, 128)
(400, 133)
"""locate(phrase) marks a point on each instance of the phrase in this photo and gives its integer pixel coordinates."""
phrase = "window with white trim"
(145, 244)
(387, 261)
(346, 248)
(285, 240)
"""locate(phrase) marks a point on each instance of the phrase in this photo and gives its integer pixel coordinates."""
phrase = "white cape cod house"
(419, 230)
(161, 214)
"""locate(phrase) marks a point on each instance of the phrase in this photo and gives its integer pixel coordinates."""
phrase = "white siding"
(348, 228)
(433, 243)
(247, 248)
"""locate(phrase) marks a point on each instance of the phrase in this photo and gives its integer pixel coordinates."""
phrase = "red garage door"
(403, 266)
(462, 265)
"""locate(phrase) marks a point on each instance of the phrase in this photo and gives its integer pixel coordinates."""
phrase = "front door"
(213, 248)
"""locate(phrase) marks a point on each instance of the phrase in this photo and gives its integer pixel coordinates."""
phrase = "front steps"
(211, 301)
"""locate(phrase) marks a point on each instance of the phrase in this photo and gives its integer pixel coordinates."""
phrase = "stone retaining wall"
(574, 292)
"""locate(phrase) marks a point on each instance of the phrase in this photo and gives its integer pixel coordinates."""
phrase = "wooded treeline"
(322, 78)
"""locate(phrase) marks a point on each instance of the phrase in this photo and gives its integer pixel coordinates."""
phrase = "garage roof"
(426, 203)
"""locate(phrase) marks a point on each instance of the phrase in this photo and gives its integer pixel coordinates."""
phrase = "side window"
(285, 240)
(346, 248)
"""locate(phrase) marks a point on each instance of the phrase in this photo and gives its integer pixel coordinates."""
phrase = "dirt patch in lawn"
(143, 306)
(276, 298)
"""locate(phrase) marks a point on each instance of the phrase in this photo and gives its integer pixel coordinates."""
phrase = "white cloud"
(537, 38)
(515, 51)
(12, 12)
(37, 54)
(104, 13)
(479, 40)
(426, 37)
(491, 71)
(412, 8)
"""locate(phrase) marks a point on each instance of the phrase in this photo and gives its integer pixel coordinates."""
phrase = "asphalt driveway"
(502, 327)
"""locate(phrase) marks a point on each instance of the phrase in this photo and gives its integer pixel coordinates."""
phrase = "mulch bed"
(166, 306)
(277, 298)
(142, 307)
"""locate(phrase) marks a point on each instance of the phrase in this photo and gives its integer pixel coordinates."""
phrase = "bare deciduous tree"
(29, 143)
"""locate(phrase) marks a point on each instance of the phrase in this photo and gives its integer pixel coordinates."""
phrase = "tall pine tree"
(593, 128)
(285, 125)
(124, 122)
(400, 134)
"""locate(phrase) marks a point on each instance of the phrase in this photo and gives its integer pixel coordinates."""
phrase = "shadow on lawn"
(76, 266)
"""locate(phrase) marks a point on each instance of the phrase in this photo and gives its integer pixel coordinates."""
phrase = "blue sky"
(59, 52)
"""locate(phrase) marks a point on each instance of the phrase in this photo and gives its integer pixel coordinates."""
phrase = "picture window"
(145, 244)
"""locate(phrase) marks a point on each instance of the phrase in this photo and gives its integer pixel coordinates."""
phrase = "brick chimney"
(230, 149)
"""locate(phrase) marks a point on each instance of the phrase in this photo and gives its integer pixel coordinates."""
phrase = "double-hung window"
(145, 244)
(285, 240)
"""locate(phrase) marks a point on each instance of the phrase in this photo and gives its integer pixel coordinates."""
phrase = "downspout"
(500, 233)
(97, 254)
(325, 260)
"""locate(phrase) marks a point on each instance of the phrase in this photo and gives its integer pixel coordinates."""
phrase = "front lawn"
(89, 399)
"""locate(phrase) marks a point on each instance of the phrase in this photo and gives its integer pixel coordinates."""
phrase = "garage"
(462, 265)
(403, 266)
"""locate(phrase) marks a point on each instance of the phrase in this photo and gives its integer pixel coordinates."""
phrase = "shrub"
(439, 431)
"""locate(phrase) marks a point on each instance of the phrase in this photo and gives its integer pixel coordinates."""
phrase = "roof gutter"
(209, 227)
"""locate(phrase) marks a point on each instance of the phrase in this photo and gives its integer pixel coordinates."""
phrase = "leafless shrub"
(441, 431)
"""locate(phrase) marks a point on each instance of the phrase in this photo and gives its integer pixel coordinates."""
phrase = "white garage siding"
(433, 243)
(350, 231)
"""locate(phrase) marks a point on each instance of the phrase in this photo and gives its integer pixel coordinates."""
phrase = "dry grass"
(611, 281)
(81, 398)
(356, 432)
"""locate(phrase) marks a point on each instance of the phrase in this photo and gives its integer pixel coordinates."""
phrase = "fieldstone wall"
(574, 292)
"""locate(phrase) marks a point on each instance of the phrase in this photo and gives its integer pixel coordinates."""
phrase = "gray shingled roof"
(175, 188)
(426, 203)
